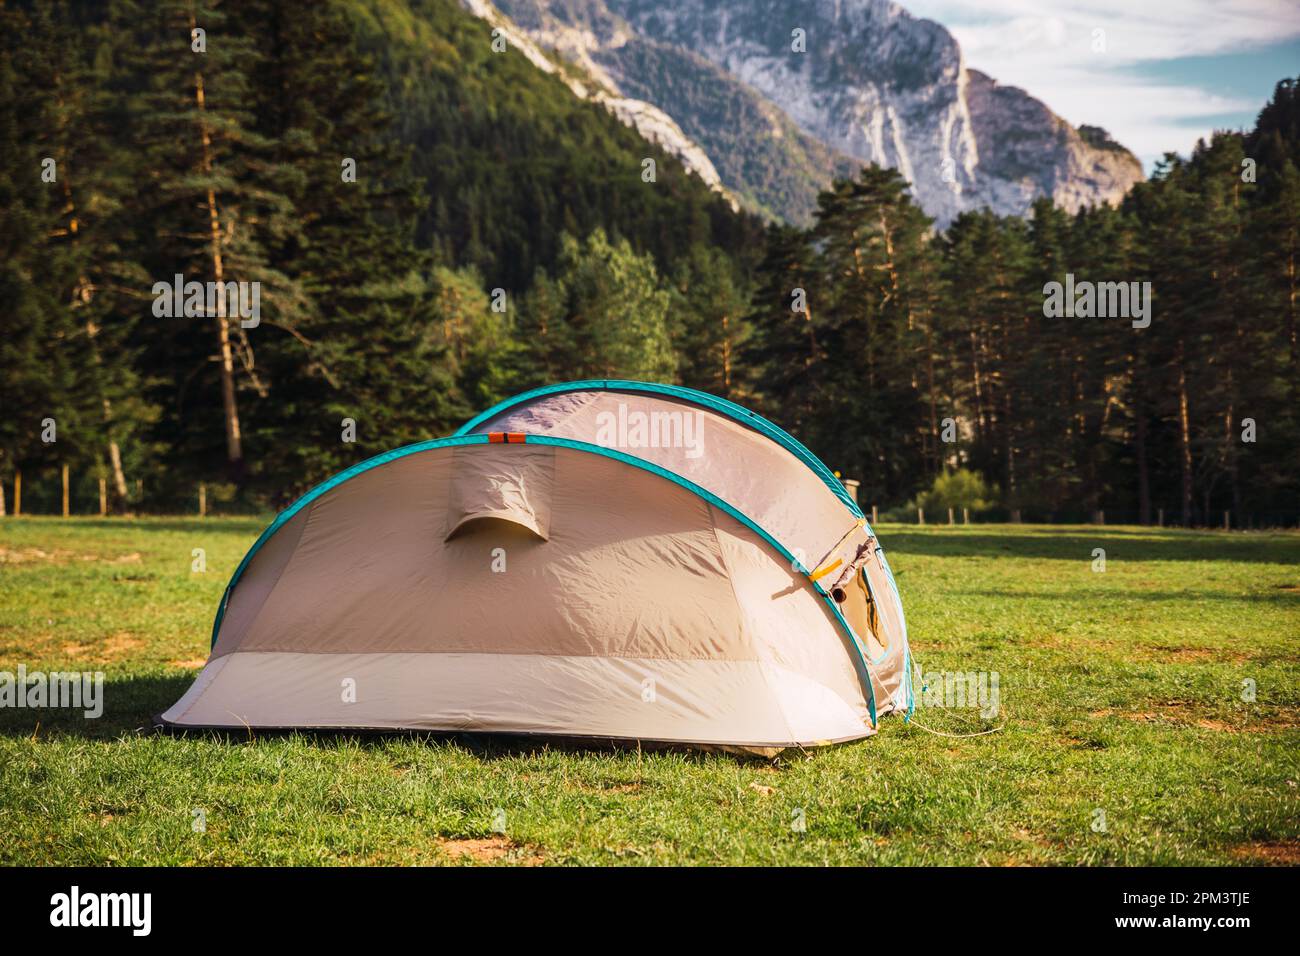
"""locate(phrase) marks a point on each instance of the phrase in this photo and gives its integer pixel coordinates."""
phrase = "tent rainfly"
(598, 559)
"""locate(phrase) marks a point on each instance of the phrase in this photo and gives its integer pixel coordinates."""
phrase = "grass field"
(1124, 739)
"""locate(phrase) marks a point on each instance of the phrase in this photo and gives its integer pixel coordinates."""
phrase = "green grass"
(1120, 691)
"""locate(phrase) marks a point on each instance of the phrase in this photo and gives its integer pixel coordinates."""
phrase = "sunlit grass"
(1121, 692)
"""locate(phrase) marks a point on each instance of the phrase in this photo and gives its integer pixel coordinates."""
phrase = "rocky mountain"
(779, 96)
(647, 119)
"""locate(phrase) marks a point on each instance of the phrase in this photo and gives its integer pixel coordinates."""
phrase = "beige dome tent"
(601, 559)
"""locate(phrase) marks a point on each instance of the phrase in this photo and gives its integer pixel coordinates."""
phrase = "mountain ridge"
(873, 85)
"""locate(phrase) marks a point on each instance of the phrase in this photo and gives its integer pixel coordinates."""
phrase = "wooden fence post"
(851, 486)
(1226, 525)
(103, 497)
(950, 519)
(965, 516)
(1160, 517)
(65, 491)
(203, 500)
(874, 519)
(920, 516)
(18, 493)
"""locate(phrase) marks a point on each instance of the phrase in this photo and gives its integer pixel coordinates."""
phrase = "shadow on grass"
(1077, 545)
(130, 705)
(242, 524)
(485, 746)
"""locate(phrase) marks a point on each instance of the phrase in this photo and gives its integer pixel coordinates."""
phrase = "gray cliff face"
(1032, 152)
(873, 84)
(585, 82)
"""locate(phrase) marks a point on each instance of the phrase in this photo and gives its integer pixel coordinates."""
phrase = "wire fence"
(60, 491)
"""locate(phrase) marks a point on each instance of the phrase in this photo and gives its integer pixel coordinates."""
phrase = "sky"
(1157, 74)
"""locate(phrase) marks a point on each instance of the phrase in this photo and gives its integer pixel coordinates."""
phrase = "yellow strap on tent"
(822, 572)
(859, 523)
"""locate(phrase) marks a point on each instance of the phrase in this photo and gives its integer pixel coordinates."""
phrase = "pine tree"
(93, 263)
(213, 202)
(606, 314)
(709, 322)
(782, 358)
(66, 285)
(359, 345)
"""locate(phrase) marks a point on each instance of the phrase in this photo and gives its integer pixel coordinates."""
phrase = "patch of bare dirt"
(1183, 714)
(491, 849)
(23, 555)
(59, 556)
(1074, 642)
(112, 649)
(621, 788)
(1278, 853)
(1182, 653)
(610, 786)
(194, 663)
(119, 645)
(1028, 836)
(1155, 717)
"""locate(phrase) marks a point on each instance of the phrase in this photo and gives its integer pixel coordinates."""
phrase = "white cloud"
(1164, 30)
(1051, 49)
(1146, 119)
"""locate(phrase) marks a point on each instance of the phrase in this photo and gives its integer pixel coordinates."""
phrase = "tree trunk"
(1009, 438)
(1184, 438)
(1008, 429)
(1230, 456)
(726, 358)
(1144, 478)
(812, 336)
(1292, 288)
(871, 335)
(114, 451)
(977, 384)
(234, 439)
(81, 297)
(938, 462)
(115, 459)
